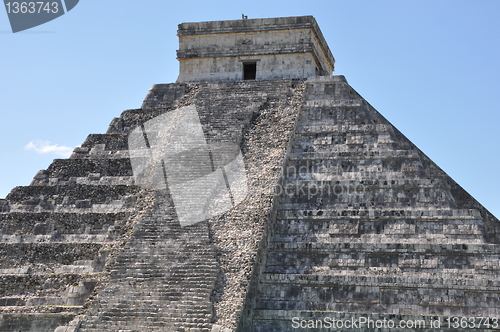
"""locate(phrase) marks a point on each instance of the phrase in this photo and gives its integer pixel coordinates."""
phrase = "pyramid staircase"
(85, 249)
(162, 279)
(365, 225)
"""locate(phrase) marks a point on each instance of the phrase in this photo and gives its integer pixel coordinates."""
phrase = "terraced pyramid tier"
(344, 218)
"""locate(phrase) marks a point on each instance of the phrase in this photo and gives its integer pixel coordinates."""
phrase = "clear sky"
(432, 68)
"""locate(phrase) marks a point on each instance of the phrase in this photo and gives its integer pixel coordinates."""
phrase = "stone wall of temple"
(85, 246)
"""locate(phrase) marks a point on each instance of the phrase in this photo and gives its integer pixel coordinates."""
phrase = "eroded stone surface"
(368, 226)
(262, 49)
(344, 216)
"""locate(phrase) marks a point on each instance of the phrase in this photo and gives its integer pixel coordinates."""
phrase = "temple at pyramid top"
(253, 49)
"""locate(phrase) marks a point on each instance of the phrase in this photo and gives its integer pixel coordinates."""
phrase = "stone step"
(351, 119)
(56, 301)
(394, 155)
(334, 120)
(166, 251)
(323, 321)
(29, 322)
(162, 320)
(92, 168)
(329, 195)
(179, 276)
(387, 277)
(338, 143)
(126, 326)
(307, 257)
(163, 297)
(424, 214)
(12, 302)
(111, 141)
(334, 129)
(154, 261)
(131, 118)
(125, 204)
(316, 179)
(46, 284)
(21, 254)
(167, 248)
(68, 194)
(371, 169)
(347, 247)
(98, 152)
(163, 94)
(94, 179)
(382, 238)
(356, 297)
(372, 227)
(154, 318)
(309, 262)
(130, 310)
(105, 237)
(46, 223)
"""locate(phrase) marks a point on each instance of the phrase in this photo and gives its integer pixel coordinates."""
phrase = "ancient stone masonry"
(141, 270)
(344, 216)
(369, 226)
(178, 279)
(284, 47)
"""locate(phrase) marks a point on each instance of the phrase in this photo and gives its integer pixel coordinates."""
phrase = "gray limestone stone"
(344, 217)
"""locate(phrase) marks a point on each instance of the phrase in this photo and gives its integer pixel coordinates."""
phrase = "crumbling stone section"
(238, 234)
(367, 225)
(32, 322)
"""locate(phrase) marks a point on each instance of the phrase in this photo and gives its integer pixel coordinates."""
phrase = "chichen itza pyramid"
(337, 217)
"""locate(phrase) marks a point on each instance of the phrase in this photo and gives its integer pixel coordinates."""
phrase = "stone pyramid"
(368, 227)
(345, 220)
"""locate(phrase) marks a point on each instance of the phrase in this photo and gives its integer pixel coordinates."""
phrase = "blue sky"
(430, 67)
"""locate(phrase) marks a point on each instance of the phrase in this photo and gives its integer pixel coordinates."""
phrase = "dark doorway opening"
(249, 70)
